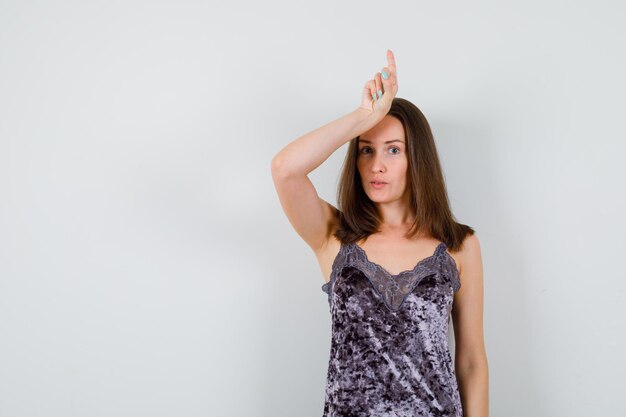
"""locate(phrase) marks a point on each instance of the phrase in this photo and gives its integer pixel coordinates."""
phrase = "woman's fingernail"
(374, 96)
(380, 94)
(385, 75)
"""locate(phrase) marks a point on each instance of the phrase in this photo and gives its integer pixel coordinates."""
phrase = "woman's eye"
(366, 150)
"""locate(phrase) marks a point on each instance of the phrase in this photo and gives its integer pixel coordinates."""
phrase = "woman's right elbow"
(284, 164)
(278, 165)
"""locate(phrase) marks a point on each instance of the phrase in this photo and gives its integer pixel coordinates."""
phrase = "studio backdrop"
(147, 268)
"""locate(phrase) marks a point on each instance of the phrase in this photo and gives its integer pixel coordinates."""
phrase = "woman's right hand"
(375, 105)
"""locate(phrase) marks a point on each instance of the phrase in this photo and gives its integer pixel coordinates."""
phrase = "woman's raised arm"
(311, 216)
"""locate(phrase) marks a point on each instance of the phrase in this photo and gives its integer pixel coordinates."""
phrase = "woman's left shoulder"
(469, 255)
(470, 244)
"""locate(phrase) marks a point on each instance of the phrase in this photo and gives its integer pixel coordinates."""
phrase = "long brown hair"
(358, 215)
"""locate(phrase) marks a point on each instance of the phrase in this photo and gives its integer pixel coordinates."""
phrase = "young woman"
(389, 351)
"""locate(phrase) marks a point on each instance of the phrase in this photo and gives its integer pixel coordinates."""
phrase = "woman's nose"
(378, 164)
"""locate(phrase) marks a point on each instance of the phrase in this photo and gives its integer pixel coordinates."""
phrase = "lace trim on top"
(393, 288)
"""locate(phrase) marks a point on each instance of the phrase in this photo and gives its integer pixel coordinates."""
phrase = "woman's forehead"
(389, 129)
(395, 141)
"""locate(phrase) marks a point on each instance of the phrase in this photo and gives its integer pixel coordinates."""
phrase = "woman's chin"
(383, 198)
(379, 199)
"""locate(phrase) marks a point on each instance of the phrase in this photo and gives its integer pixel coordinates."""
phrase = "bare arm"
(309, 151)
(311, 216)
(471, 365)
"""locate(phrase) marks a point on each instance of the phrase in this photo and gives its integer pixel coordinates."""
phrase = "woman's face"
(382, 157)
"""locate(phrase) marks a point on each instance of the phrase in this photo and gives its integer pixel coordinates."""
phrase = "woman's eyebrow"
(389, 141)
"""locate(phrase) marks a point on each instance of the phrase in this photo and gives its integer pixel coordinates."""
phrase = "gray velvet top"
(389, 353)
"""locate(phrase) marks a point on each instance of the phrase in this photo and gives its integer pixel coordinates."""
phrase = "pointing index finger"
(391, 61)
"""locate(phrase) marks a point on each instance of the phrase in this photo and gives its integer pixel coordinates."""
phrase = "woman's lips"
(378, 185)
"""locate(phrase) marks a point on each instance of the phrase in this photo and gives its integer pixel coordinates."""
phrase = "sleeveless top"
(389, 353)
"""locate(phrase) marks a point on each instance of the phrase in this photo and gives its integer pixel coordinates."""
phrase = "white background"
(147, 268)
